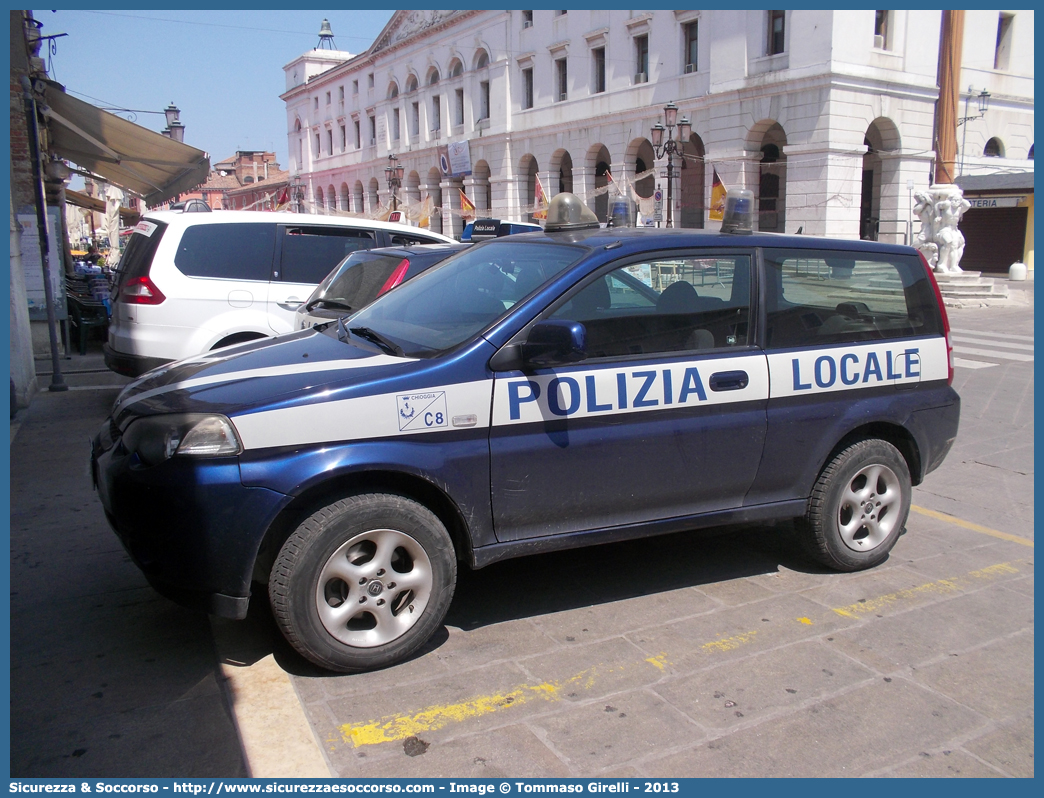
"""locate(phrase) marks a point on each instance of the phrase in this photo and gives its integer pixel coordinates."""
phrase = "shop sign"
(995, 202)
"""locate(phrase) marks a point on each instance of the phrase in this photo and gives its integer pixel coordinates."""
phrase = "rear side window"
(405, 240)
(311, 253)
(137, 258)
(827, 297)
(228, 251)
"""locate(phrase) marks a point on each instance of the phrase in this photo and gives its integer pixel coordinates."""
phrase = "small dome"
(567, 212)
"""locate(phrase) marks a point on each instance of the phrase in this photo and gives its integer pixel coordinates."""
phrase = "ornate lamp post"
(175, 130)
(984, 103)
(297, 193)
(670, 148)
(393, 171)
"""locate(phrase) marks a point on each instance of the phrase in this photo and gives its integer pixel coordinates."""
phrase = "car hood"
(265, 374)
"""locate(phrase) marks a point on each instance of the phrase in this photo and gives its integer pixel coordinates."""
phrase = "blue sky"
(223, 69)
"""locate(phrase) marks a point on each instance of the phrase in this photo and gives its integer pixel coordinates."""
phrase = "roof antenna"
(326, 37)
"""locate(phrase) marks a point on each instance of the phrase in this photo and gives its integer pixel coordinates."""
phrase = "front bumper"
(190, 525)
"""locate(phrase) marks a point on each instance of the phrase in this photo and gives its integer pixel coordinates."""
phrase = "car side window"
(228, 251)
(823, 297)
(405, 240)
(665, 305)
(311, 253)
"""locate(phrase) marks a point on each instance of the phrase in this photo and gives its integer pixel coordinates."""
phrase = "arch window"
(411, 84)
(393, 91)
(456, 68)
(994, 148)
(481, 59)
(433, 78)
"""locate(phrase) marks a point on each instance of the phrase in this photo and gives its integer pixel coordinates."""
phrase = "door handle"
(291, 303)
(729, 381)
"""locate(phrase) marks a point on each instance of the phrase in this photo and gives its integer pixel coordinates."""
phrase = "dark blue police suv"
(534, 392)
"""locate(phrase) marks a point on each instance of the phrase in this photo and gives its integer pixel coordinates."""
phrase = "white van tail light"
(141, 291)
(945, 319)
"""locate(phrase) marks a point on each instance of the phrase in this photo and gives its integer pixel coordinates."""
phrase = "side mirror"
(555, 343)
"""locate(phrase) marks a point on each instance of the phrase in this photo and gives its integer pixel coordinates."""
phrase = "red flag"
(467, 207)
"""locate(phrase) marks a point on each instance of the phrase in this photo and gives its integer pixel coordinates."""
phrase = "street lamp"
(393, 171)
(297, 193)
(670, 148)
(984, 103)
(174, 130)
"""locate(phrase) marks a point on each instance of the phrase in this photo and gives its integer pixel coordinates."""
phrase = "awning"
(127, 155)
(1000, 181)
(128, 216)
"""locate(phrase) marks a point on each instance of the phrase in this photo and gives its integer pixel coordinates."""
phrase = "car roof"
(284, 217)
(639, 238)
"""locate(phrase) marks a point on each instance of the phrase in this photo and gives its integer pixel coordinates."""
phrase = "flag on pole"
(718, 195)
(425, 212)
(616, 185)
(467, 207)
(284, 199)
(540, 200)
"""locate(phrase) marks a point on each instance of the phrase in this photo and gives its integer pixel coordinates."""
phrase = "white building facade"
(827, 116)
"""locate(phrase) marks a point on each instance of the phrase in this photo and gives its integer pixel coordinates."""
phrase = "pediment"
(407, 24)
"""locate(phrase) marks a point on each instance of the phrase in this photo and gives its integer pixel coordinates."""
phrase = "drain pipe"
(57, 381)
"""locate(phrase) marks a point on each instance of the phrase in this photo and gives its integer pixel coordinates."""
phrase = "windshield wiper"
(328, 303)
(342, 331)
(375, 337)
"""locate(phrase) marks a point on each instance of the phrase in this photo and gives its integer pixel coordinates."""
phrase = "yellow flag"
(718, 194)
(541, 200)
(467, 207)
(425, 212)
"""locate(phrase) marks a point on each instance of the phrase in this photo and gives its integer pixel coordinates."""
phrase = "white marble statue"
(940, 241)
(924, 208)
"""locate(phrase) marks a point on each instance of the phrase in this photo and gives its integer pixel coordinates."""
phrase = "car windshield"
(357, 280)
(450, 303)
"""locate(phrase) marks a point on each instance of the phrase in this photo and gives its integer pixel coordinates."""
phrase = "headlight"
(158, 438)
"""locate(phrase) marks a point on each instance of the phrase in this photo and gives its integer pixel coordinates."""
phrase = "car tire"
(364, 582)
(858, 506)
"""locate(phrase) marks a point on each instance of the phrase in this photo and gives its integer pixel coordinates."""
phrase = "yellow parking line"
(729, 643)
(969, 525)
(400, 726)
(951, 585)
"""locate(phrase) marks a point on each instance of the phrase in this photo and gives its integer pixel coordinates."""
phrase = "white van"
(192, 282)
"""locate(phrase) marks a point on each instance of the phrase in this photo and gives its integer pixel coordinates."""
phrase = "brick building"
(248, 180)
